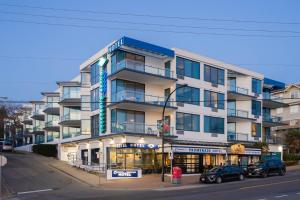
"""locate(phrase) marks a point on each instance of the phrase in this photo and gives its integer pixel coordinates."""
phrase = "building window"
(213, 125)
(186, 67)
(214, 75)
(95, 99)
(94, 73)
(213, 99)
(85, 102)
(127, 90)
(294, 109)
(295, 94)
(127, 121)
(85, 78)
(256, 86)
(187, 122)
(122, 59)
(95, 125)
(85, 126)
(256, 108)
(188, 95)
(256, 130)
(71, 92)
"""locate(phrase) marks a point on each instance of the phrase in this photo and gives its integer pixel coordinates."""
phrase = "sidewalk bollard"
(177, 174)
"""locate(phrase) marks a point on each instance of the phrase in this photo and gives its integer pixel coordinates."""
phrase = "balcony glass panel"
(233, 136)
(69, 132)
(269, 96)
(236, 89)
(71, 93)
(130, 95)
(237, 113)
(140, 66)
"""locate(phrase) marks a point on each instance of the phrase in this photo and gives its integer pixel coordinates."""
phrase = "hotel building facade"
(111, 115)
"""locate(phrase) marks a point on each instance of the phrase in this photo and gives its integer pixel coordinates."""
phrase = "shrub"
(48, 150)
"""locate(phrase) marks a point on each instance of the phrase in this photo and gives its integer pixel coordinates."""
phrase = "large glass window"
(256, 86)
(94, 73)
(188, 95)
(123, 90)
(85, 102)
(127, 121)
(185, 67)
(256, 108)
(214, 75)
(85, 126)
(187, 122)
(213, 99)
(213, 125)
(95, 99)
(95, 125)
(122, 59)
(85, 78)
(71, 92)
(256, 130)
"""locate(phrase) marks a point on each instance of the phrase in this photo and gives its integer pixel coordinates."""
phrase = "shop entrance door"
(125, 158)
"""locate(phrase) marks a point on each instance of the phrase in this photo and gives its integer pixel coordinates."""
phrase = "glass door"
(232, 83)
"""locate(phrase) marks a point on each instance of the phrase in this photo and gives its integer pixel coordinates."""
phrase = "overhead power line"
(148, 24)
(150, 30)
(102, 12)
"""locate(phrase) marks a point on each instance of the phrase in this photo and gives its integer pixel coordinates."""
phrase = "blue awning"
(133, 43)
(274, 84)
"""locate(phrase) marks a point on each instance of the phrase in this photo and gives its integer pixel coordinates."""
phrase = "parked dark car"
(223, 173)
(267, 167)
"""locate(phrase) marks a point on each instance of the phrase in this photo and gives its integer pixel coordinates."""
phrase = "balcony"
(71, 98)
(274, 140)
(66, 135)
(238, 93)
(271, 121)
(139, 72)
(234, 115)
(71, 119)
(38, 130)
(38, 115)
(272, 101)
(233, 136)
(52, 108)
(138, 129)
(132, 100)
(27, 120)
(52, 126)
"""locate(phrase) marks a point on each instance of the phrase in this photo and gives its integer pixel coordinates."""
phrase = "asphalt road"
(31, 177)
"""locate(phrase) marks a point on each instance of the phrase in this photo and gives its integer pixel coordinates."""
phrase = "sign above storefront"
(199, 150)
(137, 145)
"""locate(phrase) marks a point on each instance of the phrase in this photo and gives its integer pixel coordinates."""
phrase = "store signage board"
(252, 152)
(199, 150)
(137, 145)
(124, 173)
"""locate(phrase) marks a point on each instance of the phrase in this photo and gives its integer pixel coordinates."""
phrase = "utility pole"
(163, 134)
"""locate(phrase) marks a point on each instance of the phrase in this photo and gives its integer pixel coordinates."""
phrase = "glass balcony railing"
(71, 116)
(71, 95)
(233, 136)
(138, 128)
(237, 113)
(233, 88)
(51, 123)
(51, 105)
(38, 112)
(140, 97)
(272, 119)
(140, 66)
(269, 96)
(38, 128)
(70, 134)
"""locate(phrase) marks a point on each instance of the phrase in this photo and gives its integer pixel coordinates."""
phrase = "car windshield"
(215, 169)
(258, 163)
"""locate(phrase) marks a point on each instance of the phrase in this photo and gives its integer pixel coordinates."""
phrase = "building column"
(33, 139)
(89, 154)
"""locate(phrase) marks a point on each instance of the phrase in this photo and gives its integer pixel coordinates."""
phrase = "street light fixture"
(163, 134)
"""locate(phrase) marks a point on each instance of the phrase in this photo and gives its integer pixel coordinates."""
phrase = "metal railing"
(233, 136)
(233, 88)
(130, 95)
(237, 113)
(140, 128)
(140, 66)
(51, 123)
(70, 135)
(269, 96)
(70, 116)
(272, 119)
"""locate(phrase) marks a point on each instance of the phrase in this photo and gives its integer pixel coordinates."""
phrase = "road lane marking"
(280, 196)
(268, 184)
(34, 191)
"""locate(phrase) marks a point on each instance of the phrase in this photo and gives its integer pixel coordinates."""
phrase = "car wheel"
(219, 180)
(282, 172)
(264, 174)
(241, 177)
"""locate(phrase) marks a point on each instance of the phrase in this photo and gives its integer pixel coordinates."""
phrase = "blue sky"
(34, 56)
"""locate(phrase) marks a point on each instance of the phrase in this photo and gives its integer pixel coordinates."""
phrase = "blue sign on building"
(125, 173)
(102, 94)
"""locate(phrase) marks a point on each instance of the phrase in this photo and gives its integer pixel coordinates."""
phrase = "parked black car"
(264, 168)
(223, 173)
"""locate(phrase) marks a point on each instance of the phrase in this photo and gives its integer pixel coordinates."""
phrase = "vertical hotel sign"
(102, 94)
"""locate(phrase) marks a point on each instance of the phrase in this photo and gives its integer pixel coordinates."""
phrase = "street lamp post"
(163, 134)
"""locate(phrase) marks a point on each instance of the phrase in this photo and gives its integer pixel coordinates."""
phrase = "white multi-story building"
(213, 114)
